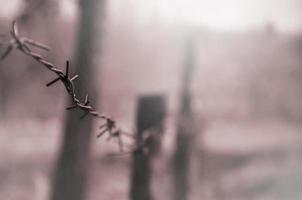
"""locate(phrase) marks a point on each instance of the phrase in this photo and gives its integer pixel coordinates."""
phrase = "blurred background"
(221, 81)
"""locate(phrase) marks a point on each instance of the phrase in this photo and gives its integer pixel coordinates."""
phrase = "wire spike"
(37, 44)
(110, 123)
(26, 48)
(52, 82)
(72, 107)
(15, 29)
(102, 133)
(6, 52)
(67, 68)
(94, 113)
(74, 77)
(102, 126)
(86, 100)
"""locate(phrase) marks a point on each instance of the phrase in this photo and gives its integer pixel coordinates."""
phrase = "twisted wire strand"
(23, 44)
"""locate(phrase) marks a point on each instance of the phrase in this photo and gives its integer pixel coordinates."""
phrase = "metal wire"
(23, 44)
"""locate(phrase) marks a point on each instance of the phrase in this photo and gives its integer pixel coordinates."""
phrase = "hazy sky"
(218, 14)
(231, 14)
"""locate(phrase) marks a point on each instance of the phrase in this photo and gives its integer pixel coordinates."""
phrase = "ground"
(239, 161)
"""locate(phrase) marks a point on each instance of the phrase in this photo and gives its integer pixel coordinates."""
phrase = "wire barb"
(36, 44)
(67, 68)
(72, 107)
(6, 52)
(52, 82)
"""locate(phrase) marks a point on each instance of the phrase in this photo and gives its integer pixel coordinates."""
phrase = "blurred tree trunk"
(38, 9)
(181, 157)
(70, 180)
(150, 115)
(4, 91)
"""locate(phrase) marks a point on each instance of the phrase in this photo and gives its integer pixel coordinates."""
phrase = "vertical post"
(181, 157)
(70, 179)
(150, 116)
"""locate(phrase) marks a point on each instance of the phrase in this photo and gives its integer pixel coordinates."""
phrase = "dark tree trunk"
(181, 157)
(150, 115)
(39, 9)
(4, 91)
(73, 163)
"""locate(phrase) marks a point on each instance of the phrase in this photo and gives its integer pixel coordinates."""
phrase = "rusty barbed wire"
(23, 44)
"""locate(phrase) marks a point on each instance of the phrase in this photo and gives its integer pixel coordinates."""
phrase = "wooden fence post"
(149, 122)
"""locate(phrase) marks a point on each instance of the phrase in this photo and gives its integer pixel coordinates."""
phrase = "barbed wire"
(23, 44)
(143, 144)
